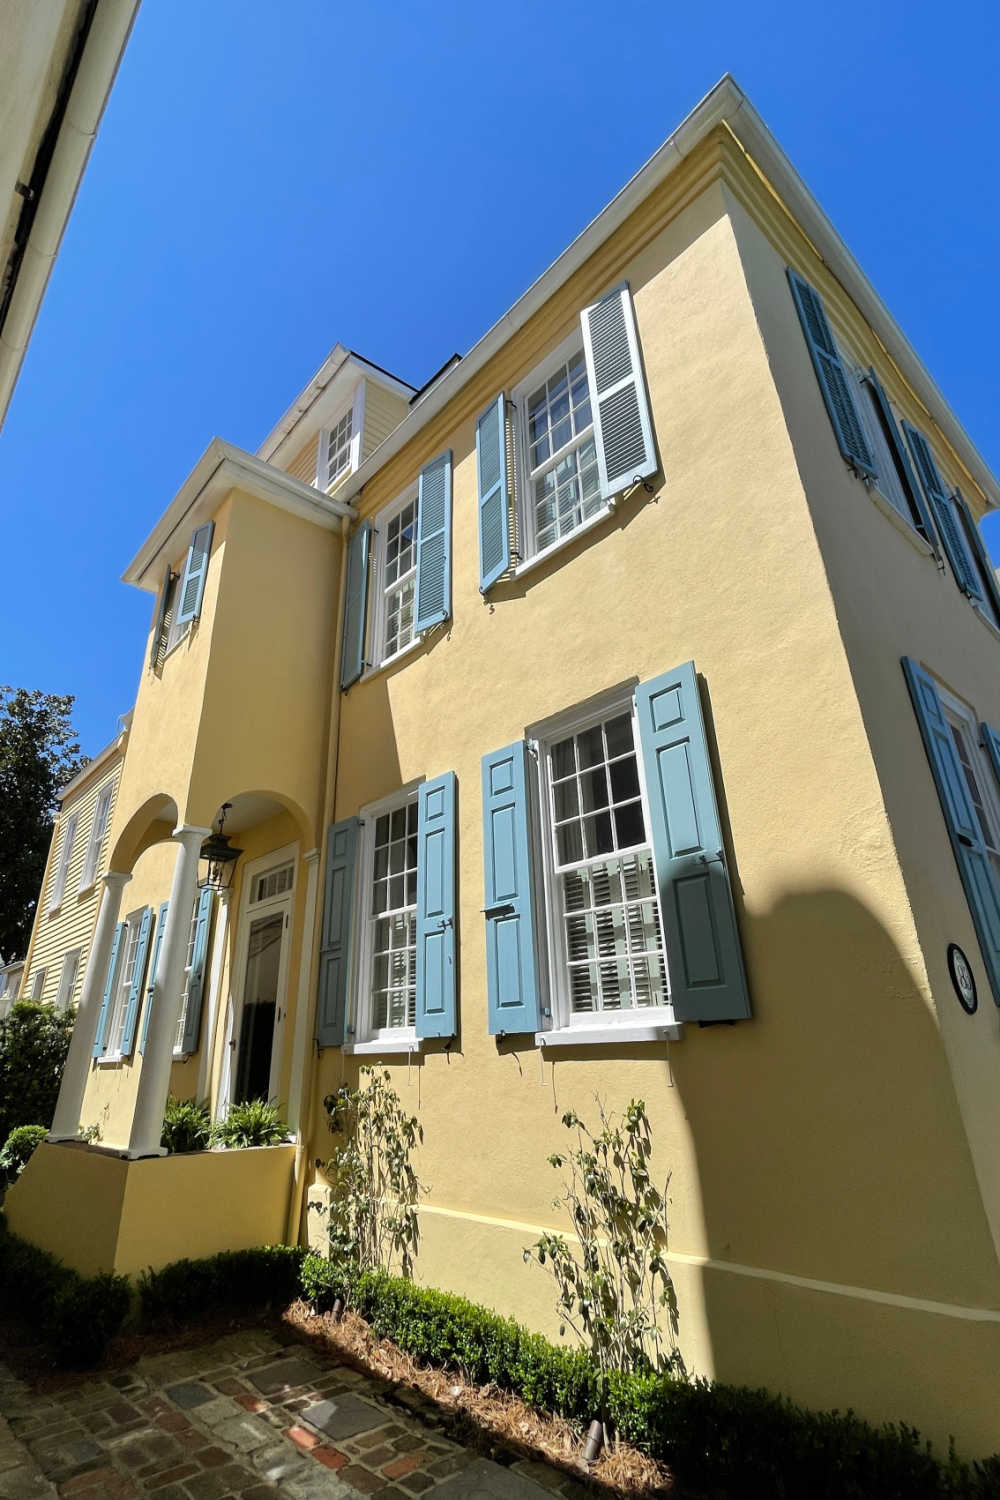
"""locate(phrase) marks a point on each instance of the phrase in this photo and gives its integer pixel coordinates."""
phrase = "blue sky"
(270, 179)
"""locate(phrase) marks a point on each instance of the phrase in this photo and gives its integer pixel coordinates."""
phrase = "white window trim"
(390, 1040)
(649, 1024)
(132, 921)
(248, 913)
(377, 613)
(64, 994)
(986, 776)
(356, 406)
(529, 556)
(98, 833)
(906, 524)
(38, 984)
(65, 855)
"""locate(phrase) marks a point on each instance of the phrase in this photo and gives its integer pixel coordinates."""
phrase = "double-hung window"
(339, 447)
(121, 986)
(558, 453)
(188, 965)
(387, 909)
(98, 829)
(394, 616)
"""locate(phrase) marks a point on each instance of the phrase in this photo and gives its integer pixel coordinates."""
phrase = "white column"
(300, 1042)
(214, 986)
(66, 1123)
(158, 1055)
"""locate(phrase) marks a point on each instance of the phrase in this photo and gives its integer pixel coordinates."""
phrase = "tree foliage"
(39, 753)
(34, 1040)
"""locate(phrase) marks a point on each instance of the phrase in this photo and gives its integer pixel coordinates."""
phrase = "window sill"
(609, 1034)
(392, 661)
(900, 522)
(985, 620)
(110, 1059)
(88, 889)
(383, 1048)
(537, 558)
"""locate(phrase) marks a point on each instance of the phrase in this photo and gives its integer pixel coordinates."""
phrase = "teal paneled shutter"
(335, 947)
(433, 602)
(491, 474)
(192, 589)
(511, 948)
(159, 617)
(196, 978)
(954, 543)
(436, 907)
(135, 988)
(707, 980)
(151, 980)
(623, 428)
(960, 817)
(898, 447)
(833, 382)
(978, 546)
(355, 606)
(102, 1020)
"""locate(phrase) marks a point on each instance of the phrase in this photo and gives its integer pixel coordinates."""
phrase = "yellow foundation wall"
(823, 1139)
(69, 1200)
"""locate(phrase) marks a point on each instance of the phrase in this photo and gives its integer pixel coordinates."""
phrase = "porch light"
(220, 856)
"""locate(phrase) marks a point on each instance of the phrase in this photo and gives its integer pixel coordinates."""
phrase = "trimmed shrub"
(252, 1123)
(187, 1126)
(233, 1282)
(74, 1317)
(17, 1151)
(34, 1040)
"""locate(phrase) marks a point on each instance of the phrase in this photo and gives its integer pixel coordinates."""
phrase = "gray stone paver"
(247, 1417)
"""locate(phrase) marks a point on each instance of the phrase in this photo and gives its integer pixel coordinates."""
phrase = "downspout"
(307, 1122)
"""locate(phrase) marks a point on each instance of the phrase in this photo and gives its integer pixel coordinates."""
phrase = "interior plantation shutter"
(151, 978)
(898, 447)
(159, 618)
(833, 382)
(436, 907)
(978, 546)
(954, 543)
(433, 602)
(491, 476)
(102, 1020)
(196, 979)
(352, 659)
(511, 948)
(707, 978)
(135, 989)
(335, 947)
(623, 429)
(192, 586)
(973, 861)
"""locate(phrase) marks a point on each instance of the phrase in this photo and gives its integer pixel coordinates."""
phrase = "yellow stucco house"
(611, 715)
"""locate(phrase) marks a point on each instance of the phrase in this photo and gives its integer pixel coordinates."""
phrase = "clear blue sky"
(272, 178)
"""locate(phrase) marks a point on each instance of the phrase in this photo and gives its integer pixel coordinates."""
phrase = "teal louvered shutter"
(925, 523)
(491, 475)
(833, 382)
(623, 428)
(192, 585)
(159, 617)
(707, 979)
(948, 524)
(151, 978)
(433, 601)
(991, 740)
(981, 886)
(987, 573)
(436, 907)
(511, 948)
(102, 1020)
(335, 948)
(196, 976)
(355, 606)
(135, 988)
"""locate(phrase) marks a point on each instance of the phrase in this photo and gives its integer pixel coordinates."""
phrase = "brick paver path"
(244, 1416)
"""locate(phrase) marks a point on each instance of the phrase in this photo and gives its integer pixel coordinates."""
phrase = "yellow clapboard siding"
(383, 411)
(303, 465)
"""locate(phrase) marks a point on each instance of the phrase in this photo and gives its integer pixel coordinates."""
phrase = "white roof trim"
(220, 469)
(725, 103)
(273, 445)
(95, 764)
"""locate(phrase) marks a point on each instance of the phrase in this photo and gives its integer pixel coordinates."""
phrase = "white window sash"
(382, 591)
(524, 493)
(360, 1010)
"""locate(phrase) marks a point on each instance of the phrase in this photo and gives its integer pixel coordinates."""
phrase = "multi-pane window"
(98, 829)
(339, 446)
(605, 913)
(389, 970)
(979, 781)
(560, 457)
(396, 572)
(188, 965)
(273, 883)
(67, 979)
(121, 985)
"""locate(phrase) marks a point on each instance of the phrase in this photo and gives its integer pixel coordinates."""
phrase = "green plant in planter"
(17, 1151)
(187, 1126)
(254, 1122)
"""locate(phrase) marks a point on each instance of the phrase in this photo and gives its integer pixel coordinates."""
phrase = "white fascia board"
(313, 388)
(317, 401)
(98, 762)
(724, 104)
(220, 469)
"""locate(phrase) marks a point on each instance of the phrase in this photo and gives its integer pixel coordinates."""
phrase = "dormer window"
(340, 444)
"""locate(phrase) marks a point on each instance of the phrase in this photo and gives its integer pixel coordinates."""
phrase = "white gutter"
(725, 103)
(222, 468)
(102, 54)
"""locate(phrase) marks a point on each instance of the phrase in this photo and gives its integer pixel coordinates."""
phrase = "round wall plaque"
(962, 978)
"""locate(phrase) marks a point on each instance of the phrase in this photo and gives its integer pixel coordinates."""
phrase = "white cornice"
(98, 762)
(220, 469)
(725, 103)
(341, 368)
